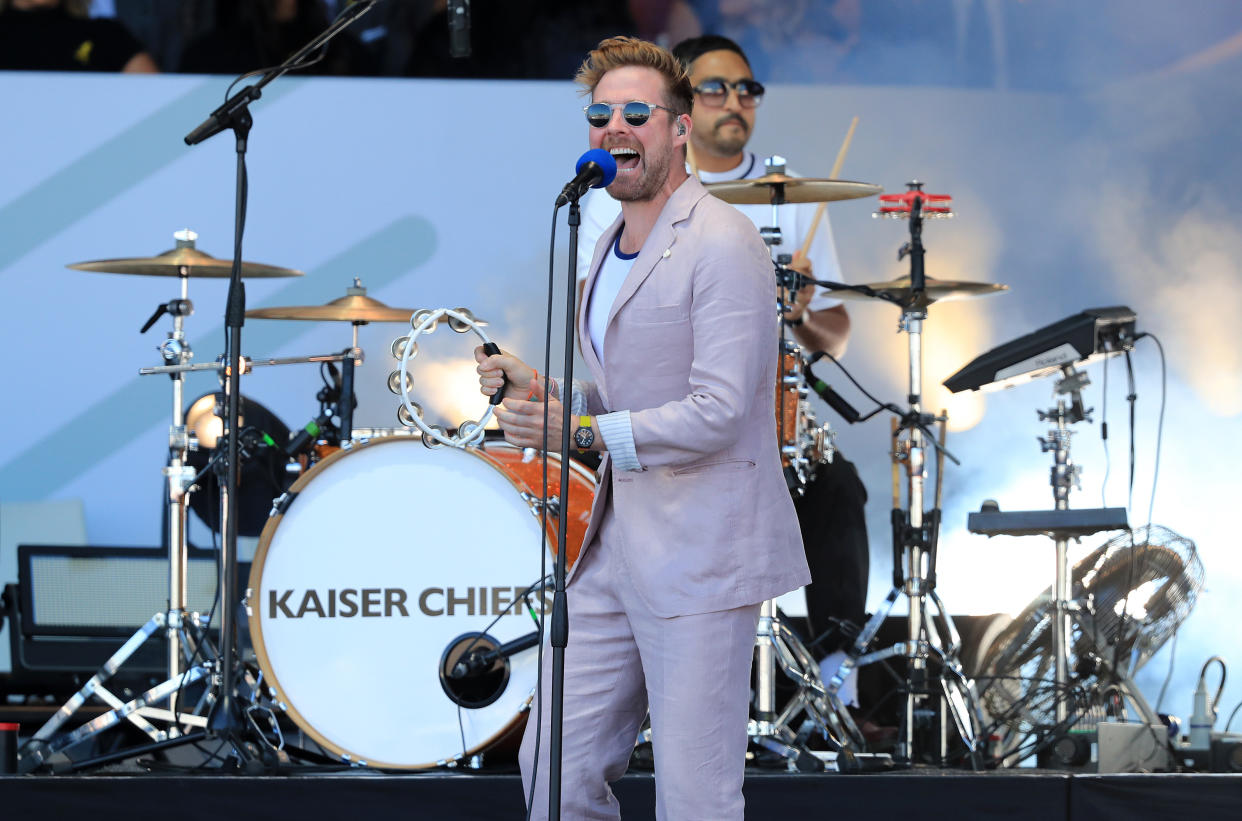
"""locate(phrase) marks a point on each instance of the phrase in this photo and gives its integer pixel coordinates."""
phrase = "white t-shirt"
(608, 284)
(600, 210)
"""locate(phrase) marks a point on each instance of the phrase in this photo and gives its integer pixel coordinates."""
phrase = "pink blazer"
(691, 350)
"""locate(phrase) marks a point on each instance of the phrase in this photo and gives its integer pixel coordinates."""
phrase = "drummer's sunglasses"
(635, 112)
(714, 92)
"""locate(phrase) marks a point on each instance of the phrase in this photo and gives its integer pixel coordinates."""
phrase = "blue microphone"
(596, 169)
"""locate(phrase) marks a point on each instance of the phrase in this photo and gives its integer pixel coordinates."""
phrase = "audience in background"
(1047, 45)
(59, 35)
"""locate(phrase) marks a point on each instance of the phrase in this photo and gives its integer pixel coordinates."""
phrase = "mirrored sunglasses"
(635, 112)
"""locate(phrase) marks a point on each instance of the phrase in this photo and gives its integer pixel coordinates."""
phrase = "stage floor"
(464, 796)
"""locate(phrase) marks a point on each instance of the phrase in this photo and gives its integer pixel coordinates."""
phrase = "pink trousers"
(691, 672)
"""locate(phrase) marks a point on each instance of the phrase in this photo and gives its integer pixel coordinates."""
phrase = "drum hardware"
(357, 309)
(916, 531)
(266, 469)
(477, 660)
(185, 260)
(185, 631)
(776, 185)
(900, 291)
(413, 511)
(803, 446)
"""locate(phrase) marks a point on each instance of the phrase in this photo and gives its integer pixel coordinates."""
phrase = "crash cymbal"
(937, 290)
(349, 308)
(760, 190)
(184, 261)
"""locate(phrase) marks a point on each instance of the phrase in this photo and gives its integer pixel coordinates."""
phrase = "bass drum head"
(386, 557)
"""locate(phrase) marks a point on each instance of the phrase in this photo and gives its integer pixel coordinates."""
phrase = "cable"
(1164, 391)
(1169, 676)
(1130, 397)
(888, 406)
(522, 597)
(850, 377)
(1221, 687)
(566, 395)
(1231, 715)
(318, 58)
(1108, 462)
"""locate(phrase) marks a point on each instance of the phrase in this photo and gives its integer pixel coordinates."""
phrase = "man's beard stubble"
(728, 146)
(649, 184)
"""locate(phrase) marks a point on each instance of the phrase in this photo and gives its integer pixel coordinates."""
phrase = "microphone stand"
(559, 636)
(234, 114)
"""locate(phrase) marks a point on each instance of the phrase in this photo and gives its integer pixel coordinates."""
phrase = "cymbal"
(350, 308)
(937, 290)
(185, 261)
(759, 190)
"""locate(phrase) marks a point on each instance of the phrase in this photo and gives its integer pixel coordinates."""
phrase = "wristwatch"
(584, 437)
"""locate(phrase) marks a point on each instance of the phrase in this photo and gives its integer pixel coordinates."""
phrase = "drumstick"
(836, 169)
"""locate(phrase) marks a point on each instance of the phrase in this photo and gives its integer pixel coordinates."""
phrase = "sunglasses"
(713, 93)
(635, 112)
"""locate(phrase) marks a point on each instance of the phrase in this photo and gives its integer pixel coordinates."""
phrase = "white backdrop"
(437, 194)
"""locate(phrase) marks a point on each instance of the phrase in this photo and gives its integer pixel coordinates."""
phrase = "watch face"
(584, 437)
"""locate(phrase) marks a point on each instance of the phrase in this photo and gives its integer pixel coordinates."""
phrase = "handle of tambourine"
(492, 349)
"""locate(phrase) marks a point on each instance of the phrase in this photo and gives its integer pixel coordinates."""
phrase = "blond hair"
(617, 52)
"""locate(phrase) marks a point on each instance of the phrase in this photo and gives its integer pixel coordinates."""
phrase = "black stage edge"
(929, 795)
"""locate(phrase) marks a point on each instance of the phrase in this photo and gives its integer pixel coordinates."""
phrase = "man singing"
(692, 526)
(831, 507)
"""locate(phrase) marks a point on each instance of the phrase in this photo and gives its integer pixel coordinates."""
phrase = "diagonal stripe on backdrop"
(113, 167)
(57, 458)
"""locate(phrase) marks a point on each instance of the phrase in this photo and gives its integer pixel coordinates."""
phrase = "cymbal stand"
(174, 621)
(775, 642)
(46, 743)
(915, 535)
(176, 351)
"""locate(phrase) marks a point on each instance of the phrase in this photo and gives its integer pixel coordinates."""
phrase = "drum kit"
(374, 541)
(362, 533)
(935, 706)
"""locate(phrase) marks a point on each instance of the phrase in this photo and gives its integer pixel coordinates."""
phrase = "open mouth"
(627, 158)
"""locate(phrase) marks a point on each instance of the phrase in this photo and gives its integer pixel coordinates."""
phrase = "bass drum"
(390, 564)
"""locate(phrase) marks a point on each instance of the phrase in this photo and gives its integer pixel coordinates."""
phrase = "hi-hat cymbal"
(185, 261)
(350, 308)
(937, 290)
(760, 190)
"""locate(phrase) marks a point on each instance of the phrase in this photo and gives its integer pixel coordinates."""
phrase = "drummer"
(831, 511)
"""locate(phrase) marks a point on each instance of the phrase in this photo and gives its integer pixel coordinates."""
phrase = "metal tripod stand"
(776, 644)
(1065, 476)
(915, 534)
(184, 630)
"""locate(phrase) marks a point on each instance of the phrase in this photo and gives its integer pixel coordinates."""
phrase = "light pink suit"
(663, 601)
